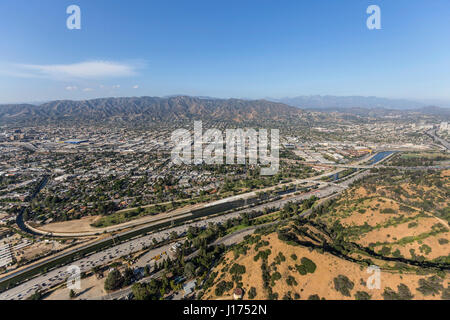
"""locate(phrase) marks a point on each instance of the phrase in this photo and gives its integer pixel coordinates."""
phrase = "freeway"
(165, 217)
(325, 189)
(142, 262)
(227, 240)
(432, 134)
(60, 274)
(180, 212)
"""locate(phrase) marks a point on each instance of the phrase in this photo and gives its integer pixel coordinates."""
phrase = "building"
(189, 287)
(6, 258)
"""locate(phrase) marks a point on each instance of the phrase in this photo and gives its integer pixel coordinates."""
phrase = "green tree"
(189, 270)
(114, 280)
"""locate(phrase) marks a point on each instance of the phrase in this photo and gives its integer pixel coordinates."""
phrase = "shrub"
(362, 295)
(275, 276)
(385, 251)
(425, 249)
(287, 296)
(262, 254)
(309, 265)
(223, 286)
(306, 267)
(273, 296)
(291, 281)
(301, 269)
(388, 211)
(237, 269)
(403, 293)
(252, 293)
(432, 285)
(412, 224)
(446, 294)
(397, 253)
(114, 280)
(343, 285)
(279, 258)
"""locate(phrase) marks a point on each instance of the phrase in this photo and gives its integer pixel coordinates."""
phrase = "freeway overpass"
(434, 136)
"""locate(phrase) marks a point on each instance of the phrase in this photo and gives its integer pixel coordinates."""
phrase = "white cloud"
(117, 86)
(71, 88)
(136, 87)
(88, 89)
(82, 70)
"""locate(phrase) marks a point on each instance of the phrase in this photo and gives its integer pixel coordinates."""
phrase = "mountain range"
(328, 102)
(149, 110)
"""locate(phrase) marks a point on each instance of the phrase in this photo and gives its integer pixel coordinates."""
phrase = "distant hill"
(173, 109)
(150, 109)
(330, 102)
(362, 106)
(349, 102)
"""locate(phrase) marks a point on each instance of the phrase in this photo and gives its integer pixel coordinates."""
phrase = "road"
(59, 275)
(147, 259)
(227, 240)
(176, 214)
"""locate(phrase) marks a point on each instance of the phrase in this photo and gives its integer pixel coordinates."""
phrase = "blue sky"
(223, 48)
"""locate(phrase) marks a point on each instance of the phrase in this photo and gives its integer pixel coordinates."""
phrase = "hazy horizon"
(425, 103)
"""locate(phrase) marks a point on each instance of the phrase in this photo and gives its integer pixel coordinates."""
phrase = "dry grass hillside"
(383, 221)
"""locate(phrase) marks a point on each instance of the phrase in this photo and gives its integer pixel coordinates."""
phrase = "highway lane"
(147, 259)
(178, 213)
(227, 240)
(96, 243)
(58, 275)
